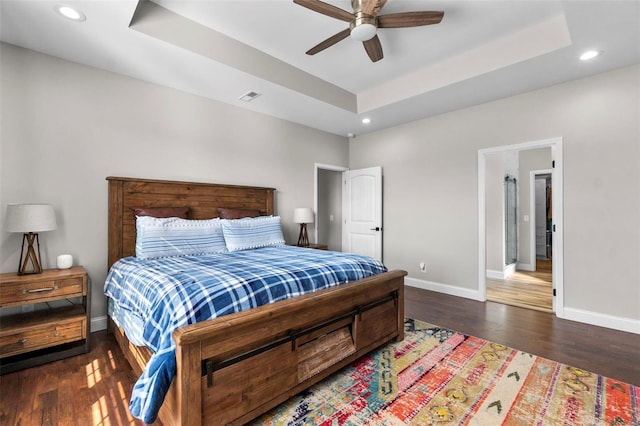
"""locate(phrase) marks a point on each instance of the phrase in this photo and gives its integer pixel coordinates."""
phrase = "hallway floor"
(525, 289)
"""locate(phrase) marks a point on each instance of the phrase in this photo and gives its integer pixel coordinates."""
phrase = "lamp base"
(303, 238)
(32, 256)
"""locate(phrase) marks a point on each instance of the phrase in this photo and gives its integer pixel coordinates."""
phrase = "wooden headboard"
(203, 200)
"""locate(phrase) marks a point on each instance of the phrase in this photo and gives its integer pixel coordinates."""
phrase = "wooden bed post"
(400, 336)
(115, 221)
(188, 385)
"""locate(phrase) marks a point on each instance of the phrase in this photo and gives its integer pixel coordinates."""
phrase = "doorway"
(531, 271)
(541, 194)
(328, 205)
(531, 284)
(348, 206)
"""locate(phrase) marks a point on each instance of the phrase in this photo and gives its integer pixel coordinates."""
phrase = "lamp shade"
(303, 215)
(30, 218)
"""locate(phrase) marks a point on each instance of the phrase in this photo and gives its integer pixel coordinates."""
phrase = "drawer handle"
(23, 340)
(39, 290)
(56, 334)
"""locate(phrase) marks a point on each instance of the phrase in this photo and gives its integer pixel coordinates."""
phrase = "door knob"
(377, 228)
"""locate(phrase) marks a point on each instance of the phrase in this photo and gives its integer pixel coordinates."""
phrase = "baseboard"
(496, 275)
(602, 320)
(509, 270)
(593, 318)
(502, 275)
(99, 323)
(444, 288)
(526, 267)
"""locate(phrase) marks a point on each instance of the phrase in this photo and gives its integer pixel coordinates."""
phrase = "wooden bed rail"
(209, 366)
(304, 305)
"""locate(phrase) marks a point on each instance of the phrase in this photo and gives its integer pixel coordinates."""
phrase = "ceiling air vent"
(249, 96)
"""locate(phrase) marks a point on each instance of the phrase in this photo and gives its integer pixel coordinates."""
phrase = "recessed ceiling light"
(366, 120)
(70, 13)
(589, 54)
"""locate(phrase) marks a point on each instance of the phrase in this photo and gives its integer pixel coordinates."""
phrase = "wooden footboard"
(234, 368)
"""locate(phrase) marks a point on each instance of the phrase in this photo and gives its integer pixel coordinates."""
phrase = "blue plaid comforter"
(169, 293)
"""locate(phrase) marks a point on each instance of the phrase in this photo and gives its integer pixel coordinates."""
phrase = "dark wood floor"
(612, 353)
(88, 389)
(94, 389)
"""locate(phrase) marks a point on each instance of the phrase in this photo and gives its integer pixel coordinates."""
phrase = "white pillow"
(248, 233)
(173, 236)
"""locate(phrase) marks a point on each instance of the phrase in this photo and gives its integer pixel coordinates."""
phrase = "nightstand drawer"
(19, 293)
(43, 336)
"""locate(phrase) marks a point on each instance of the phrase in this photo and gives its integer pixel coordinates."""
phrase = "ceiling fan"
(364, 22)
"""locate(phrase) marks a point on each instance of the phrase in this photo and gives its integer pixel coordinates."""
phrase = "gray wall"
(430, 196)
(65, 127)
(494, 217)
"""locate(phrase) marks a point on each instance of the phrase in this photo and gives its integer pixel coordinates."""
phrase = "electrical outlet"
(423, 267)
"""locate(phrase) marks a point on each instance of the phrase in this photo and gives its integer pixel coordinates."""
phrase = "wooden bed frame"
(236, 367)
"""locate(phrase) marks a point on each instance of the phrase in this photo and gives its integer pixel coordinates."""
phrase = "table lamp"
(30, 219)
(303, 215)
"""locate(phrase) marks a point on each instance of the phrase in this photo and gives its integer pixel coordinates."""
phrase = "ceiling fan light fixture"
(363, 32)
(365, 21)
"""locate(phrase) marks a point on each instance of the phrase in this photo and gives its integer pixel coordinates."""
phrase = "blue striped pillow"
(164, 237)
(248, 233)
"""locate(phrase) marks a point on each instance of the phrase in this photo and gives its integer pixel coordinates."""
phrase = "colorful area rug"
(440, 377)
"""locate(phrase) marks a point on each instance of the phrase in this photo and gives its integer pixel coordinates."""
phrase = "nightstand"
(318, 246)
(57, 327)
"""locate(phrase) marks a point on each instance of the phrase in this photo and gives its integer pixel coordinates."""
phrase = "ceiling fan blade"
(373, 48)
(329, 42)
(409, 19)
(373, 7)
(326, 9)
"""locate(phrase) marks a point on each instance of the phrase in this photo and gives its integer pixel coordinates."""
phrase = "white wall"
(65, 127)
(430, 195)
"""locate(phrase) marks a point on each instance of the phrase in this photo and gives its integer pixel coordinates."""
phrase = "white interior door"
(362, 212)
